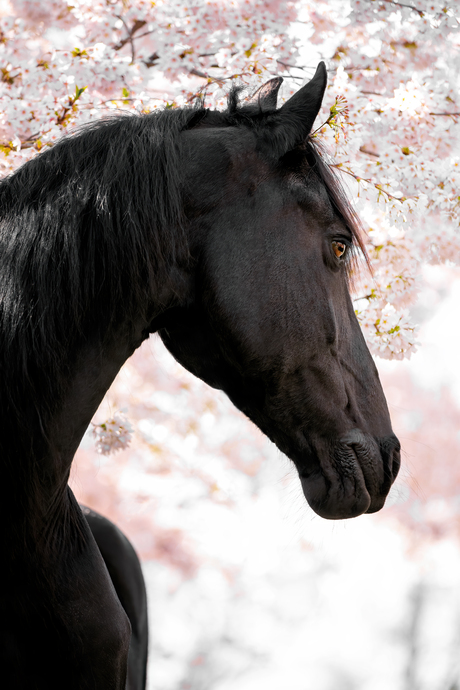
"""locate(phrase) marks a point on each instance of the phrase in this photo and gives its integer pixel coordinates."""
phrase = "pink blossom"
(112, 435)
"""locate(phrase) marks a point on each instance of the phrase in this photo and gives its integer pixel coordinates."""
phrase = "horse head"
(269, 318)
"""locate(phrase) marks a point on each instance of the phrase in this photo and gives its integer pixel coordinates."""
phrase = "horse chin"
(336, 501)
(350, 480)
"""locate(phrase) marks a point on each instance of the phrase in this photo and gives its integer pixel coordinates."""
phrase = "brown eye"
(339, 249)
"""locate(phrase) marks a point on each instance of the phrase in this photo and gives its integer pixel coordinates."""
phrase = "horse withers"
(228, 234)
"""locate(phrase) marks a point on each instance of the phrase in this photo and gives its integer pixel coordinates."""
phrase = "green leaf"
(249, 50)
(76, 52)
(78, 92)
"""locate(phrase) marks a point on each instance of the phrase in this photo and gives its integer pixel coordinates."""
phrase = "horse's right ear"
(293, 122)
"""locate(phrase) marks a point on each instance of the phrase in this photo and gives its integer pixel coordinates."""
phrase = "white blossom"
(112, 435)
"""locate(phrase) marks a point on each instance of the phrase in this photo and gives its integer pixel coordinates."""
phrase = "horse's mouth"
(354, 479)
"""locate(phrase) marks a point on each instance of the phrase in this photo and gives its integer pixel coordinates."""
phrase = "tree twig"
(138, 24)
(376, 185)
(402, 4)
(446, 114)
(369, 153)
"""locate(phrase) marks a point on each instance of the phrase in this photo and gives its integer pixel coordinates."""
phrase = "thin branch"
(146, 33)
(218, 80)
(26, 144)
(213, 80)
(368, 297)
(377, 186)
(287, 64)
(446, 114)
(409, 7)
(138, 24)
(203, 75)
(150, 62)
(293, 76)
(421, 13)
(369, 153)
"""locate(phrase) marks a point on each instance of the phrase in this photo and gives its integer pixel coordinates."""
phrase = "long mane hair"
(87, 229)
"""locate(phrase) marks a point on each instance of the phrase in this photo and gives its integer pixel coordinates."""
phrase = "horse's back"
(125, 571)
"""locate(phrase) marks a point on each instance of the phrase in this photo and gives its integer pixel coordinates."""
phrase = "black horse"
(226, 233)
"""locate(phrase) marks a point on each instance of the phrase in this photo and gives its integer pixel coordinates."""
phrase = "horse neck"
(93, 371)
(58, 605)
(36, 471)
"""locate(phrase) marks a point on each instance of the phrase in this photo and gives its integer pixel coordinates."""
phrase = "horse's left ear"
(293, 122)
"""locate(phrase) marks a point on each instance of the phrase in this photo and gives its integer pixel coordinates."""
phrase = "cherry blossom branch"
(287, 64)
(369, 153)
(22, 144)
(64, 116)
(420, 12)
(7, 77)
(368, 297)
(445, 114)
(213, 80)
(198, 73)
(377, 185)
(338, 109)
(401, 4)
(33, 139)
(146, 33)
(138, 24)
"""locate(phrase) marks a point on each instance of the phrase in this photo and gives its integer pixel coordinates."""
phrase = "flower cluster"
(113, 434)
(389, 333)
(131, 55)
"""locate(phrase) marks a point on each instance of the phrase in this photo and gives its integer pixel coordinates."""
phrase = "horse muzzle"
(355, 476)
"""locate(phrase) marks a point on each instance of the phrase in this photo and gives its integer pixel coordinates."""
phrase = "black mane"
(78, 250)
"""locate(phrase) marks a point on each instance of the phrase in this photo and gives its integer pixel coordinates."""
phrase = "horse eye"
(339, 249)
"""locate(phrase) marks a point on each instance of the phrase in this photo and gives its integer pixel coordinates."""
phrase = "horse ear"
(293, 122)
(266, 96)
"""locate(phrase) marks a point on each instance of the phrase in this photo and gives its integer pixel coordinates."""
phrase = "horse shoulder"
(125, 572)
